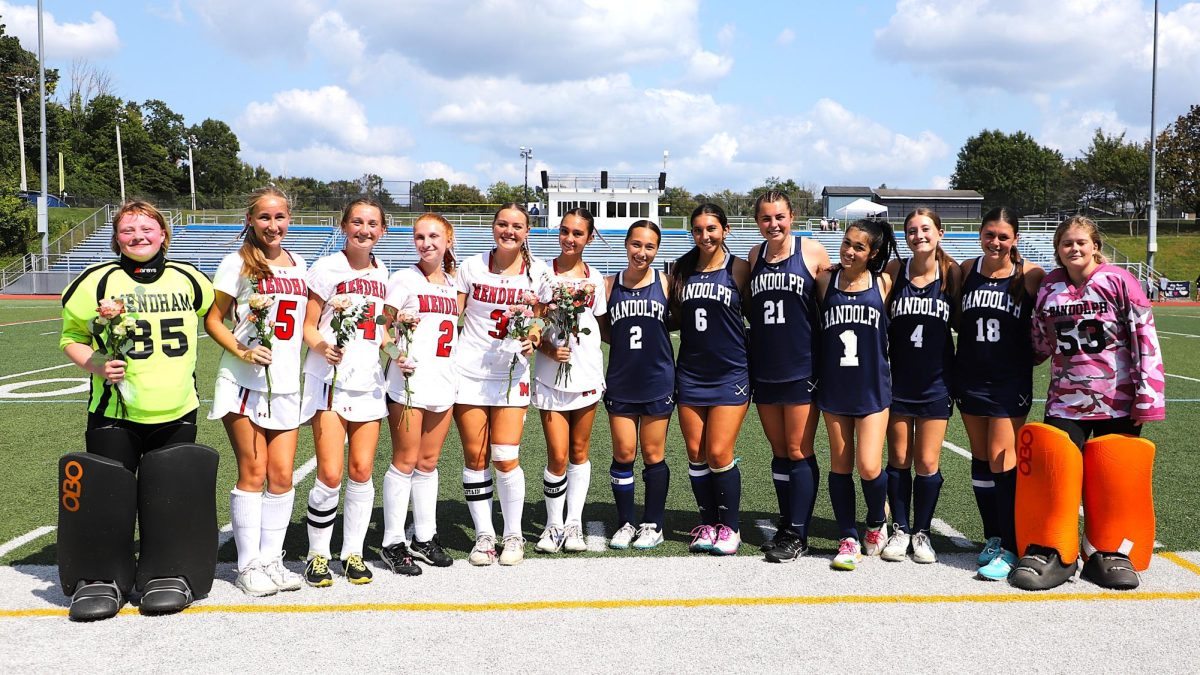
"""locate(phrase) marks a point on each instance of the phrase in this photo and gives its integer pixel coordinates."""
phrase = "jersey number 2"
(445, 335)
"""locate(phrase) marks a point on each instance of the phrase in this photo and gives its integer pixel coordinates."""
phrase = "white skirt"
(419, 401)
(231, 397)
(353, 406)
(495, 393)
(546, 397)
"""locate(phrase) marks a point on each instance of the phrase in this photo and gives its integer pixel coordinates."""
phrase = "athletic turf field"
(42, 414)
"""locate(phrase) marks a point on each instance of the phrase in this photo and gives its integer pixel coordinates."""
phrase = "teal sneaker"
(1000, 567)
(991, 549)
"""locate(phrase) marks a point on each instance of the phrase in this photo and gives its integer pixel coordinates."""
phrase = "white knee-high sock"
(477, 487)
(245, 513)
(555, 489)
(579, 477)
(511, 487)
(424, 504)
(356, 517)
(276, 516)
(396, 488)
(322, 511)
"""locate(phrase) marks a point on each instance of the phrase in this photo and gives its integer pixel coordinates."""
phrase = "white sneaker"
(253, 580)
(484, 551)
(284, 579)
(622, 537)
(874, 541)
(727, 541)
(551, 540)
(648, 536)
(922, 549)
(896, 549)
(574, 542)
(514, 550)
(703, 537)
(847, 556)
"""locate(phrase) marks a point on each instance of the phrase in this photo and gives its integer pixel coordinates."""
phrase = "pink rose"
(110, 308)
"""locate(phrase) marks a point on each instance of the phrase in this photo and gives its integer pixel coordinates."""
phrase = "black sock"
(728, 486)
(841, 495)
(875, 494)
(899, 490)
(926, 490)
(620, 474)
(984, 486)
(656, 477)
(781, 477)
(702, 489)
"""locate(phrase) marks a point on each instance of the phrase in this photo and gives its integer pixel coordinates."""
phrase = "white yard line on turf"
(298, 475)
(1188, 335)
(596, 539)
(1183, 377)
(22, 323)
(14, 544)
(957, 538)
(767, 528)
(31, 372)
(954, 448)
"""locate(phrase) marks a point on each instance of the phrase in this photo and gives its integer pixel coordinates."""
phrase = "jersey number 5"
(285, 322)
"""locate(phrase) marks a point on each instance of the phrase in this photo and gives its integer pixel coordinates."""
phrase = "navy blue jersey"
(712, 334)
(854, 373)
(919, 344)
(995, 347)
(641, 362)
(783, 318)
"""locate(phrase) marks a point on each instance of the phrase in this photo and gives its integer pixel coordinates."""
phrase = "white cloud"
(708, 66)
(721, 148)
(326, 117)
(939, 183)
(726, 35)
(171, 11)
(91, 39)
(326, 162)
(331, 37)
(785, 37)
(259, 29)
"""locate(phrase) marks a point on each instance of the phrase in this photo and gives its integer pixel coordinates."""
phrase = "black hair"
(881, 241)
(1001, 214)
(685, 265)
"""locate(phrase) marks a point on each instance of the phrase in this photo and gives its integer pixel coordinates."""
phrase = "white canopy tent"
(860, 208)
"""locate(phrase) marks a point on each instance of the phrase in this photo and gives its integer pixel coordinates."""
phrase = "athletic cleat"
(623, 537)
(703, 538)
(356, 570)
(991, 549)
(551, 540)
(788, 548)
(727, 541)
(400, 560)
(430, 552)
(574, 541)
(283, 578)
(514, 550)
(1000, 567)
(848, 555)
(922, 549)
(254, 581)
(874, 541)
(896, 548)
(648, 537)
(316, 572)
(165, 595)
(1040, 569)
(484, 551)
(1113, 571)
(95, 600)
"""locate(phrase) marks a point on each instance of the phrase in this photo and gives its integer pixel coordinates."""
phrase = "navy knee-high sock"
(815, 470)
(781, 476)
(727, 483)
(620, 474)
(984, 485)
(899, 492)
(926, 490)
(803, 494)
(702, 488)
(656, 477)
(841, 495)
(875, 494)
(1006, 506)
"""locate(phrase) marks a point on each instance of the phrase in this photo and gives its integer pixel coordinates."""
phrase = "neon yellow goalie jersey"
(160, 370)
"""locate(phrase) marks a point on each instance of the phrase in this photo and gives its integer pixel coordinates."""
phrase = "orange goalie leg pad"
(1049, 487)
(1118, 497)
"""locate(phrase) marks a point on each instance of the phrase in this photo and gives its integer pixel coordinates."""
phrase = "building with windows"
(834, 197)
(949, 204)
(615, 201)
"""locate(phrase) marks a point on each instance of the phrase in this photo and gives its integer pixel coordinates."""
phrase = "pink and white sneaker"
(875, 540)
(703, 539)
(727, 541)
(847, 556)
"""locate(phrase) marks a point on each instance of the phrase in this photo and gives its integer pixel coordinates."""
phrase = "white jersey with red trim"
(331, 276)
(587, 361)
(434, 338)
(290, 294)
(484, 352)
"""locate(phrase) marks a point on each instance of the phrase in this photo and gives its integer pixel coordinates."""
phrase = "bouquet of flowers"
(346, 317)
(260, 303)
(568, 302)
(113, 327)
(520, 322)
(405, 324)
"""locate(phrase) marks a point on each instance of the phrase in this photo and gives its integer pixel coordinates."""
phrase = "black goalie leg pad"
(177, 511)
(97, 506)
(115, 443)
(171, 434)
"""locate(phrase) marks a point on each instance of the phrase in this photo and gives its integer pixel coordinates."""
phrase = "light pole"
(192, 170)
(526, 153)
(19, 84)
(1152, 234)
(43, 218)
(120, 159)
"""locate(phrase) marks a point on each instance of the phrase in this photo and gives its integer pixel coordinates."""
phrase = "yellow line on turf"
(543, 605)
(1182, 562)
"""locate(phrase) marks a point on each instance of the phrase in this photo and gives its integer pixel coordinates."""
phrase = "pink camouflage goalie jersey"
(1105, 359)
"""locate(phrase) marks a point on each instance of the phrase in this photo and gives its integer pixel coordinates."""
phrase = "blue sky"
(824, 93)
